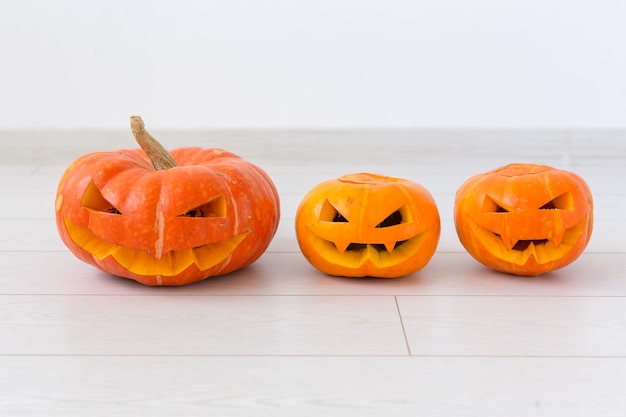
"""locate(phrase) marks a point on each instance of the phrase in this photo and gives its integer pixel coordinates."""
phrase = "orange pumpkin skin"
(368, 225)
(524, 219)
(212, 214)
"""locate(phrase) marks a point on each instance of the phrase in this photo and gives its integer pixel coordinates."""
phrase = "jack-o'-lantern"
(524, 219)
(165, 218)
(368, 225)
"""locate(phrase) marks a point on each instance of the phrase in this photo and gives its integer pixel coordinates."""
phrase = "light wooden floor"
(280, 338)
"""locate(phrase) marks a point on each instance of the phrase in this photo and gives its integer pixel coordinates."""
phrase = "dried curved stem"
(159, 156)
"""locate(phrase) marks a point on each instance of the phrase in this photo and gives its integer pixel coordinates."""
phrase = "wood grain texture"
(515, 326)
(311, 386)
(195, 325)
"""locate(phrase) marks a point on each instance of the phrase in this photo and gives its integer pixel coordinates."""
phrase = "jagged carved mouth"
(354, 255)
(396, 239)
(520, 251)
(140, 262)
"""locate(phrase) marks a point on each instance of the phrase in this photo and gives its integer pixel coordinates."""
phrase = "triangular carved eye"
(330, 214)
(491, 206)
(339, 218)
(215, 207)
(563, 202)
(393, 219)
(95, 201)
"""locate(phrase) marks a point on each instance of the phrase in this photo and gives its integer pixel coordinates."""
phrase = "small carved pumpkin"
(166, 219)
(368, 225)
(524, 219)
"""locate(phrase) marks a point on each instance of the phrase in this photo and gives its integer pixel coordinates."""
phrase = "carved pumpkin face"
(210, 215)
(368, 225)
(524, 219)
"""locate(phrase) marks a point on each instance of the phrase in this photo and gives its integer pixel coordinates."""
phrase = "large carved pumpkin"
(524, 219)
(166, 219)
(368, 225)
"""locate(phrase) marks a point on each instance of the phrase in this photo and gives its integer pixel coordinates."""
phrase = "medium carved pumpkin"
(368, 225)
(166, 219)
(524, 219)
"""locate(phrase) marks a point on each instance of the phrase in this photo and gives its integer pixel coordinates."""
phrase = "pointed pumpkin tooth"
(342, 245)
(531, 250)
(542, 253)
(558, 230)
(556, 239)
(390, 246)
(508, 242)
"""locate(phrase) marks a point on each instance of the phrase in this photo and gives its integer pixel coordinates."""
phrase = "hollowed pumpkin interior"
(141, 262)
(353, 254)
(542, 250)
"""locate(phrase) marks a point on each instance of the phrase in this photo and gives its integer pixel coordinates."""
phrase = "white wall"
(317, 63)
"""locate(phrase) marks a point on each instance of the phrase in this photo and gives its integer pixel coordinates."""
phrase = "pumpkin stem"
(159, 156)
